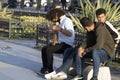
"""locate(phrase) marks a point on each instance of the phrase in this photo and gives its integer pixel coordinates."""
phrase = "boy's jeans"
(98, 57)
(69, 56)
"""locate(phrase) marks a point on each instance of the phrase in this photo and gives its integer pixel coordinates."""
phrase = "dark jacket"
(114, 34)
(98, 39)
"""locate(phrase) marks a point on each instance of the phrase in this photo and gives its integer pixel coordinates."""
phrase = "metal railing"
(4, 28)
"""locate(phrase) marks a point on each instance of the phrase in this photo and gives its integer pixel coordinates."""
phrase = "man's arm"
(100, 39)
(55, 35)
(68, 28)
(64, 31)
(81, 49)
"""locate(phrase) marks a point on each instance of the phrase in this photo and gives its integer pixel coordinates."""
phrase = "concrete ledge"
(104, 73)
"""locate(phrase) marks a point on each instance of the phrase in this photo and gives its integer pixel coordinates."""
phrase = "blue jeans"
(68, 61)
(67, 53)
(98, 57)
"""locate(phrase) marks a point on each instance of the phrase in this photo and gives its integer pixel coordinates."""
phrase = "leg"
(67, 64)
(47, 54)
(67, 53)
(45, 69)
(44, 57)
(79, 65)
(98, 57)
(60, 73)
(79, 68)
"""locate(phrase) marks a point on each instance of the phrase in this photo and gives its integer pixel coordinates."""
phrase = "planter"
(4, 27)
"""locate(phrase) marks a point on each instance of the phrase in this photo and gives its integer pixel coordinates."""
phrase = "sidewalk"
(19, 60)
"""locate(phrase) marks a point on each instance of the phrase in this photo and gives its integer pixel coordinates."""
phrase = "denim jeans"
(67, 53)
(68, 61)
(98, 57)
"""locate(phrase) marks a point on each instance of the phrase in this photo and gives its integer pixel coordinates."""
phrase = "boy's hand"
(81, 52)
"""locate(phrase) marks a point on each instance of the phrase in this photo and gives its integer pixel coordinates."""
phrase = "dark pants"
(48, 51)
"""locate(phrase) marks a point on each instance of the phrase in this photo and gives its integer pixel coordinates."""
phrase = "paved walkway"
(19, 60)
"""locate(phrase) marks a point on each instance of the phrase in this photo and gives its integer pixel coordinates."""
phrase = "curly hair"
(51, 14)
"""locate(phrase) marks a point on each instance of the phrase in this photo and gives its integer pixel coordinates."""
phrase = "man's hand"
(81, 52)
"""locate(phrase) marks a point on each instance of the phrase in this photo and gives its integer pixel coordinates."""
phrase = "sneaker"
(49, 75)
(60, 75)
(43, 71)
(78, 77)
(71, 68)
(94, 78)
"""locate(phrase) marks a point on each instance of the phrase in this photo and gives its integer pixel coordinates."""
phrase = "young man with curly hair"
(63, 37)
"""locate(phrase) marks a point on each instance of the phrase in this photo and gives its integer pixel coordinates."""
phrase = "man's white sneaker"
(49, 75)
(60, 75)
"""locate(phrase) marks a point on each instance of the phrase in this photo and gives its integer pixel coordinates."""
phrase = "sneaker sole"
(59, 79)
(77, 79)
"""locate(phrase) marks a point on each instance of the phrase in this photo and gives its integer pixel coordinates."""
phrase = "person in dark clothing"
(63, 4)
(63, 37)
(101, 16)
(99, 44)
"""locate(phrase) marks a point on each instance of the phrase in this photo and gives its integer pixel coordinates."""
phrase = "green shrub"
(112, 12)
(6, 14)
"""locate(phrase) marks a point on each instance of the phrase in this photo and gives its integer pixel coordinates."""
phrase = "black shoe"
(78, 77)
(94, 78)
(43, 71)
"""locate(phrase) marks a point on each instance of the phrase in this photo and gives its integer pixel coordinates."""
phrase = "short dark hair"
(100, 11)
(51, 14)
(85, 21)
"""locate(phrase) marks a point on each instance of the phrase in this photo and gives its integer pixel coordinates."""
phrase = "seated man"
(63, 38)
(99, 45)
(99, 42)
(101, 17)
